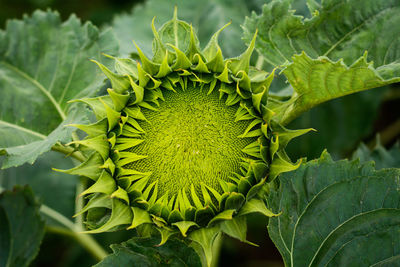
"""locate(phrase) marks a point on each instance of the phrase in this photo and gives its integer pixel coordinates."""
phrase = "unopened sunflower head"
(184, 141)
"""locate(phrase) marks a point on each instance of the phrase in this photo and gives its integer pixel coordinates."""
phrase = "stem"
(69, 151)
(87, 241)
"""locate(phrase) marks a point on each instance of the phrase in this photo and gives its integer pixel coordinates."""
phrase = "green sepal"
(261, 98)
(184, 226)
(165, 233)
(252, 149)
(121, 214)
(212, 52)
(120, 194)
(255, 189)
(159, 49)
(112, 139)
(165, 69)
(113, 116)
(96, 201)
(280, 165)
(119, 100)
(151, 84)
(181, 60)
(139, 217)
(128, 157)
(96, 105)
(251, 126)
(222, 216)
(129, 143)
(105, 184)
(224, 75)
(140, 184)
(244, 185)
(193, 48)
(90, 168)
(285, 135)
(97, 128)
(237, 228)
(259, 169)
(195, 198)
(126, 66)
(134, 112)
(199, 65)
(243, 80)
(205, 237)
(204, 215)
(242, 62)
(148, 66)
(119, 83)
(234, 201)
(256, 205)
(143, 78)
(108, 165)
(175, 216)
(98, 143)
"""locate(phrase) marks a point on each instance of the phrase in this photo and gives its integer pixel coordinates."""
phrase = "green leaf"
(48, 185)
(383, 158)
(21, 228)
(318, 80)
(206, 17)
(337, 29)
(332, 210)
(145, 252)
(44, 63)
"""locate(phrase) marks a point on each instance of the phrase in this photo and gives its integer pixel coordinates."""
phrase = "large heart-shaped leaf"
(44, 63)
(21, 228)
(336, 213)
(337, 30)
(145, 252)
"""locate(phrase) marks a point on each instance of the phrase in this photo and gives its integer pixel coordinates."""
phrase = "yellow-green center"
(191, 139)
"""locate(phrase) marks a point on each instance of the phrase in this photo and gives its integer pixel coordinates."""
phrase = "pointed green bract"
(187, 146)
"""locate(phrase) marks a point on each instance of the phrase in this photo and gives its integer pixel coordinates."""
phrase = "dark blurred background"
(341, 137)
(97, 11)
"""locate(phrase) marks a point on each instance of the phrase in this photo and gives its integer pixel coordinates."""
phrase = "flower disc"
(191, 138)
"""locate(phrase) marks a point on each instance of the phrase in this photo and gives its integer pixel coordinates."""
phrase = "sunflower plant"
(175, 144)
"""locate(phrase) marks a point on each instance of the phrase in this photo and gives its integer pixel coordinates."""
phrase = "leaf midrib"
(39, 86)
(23, 129)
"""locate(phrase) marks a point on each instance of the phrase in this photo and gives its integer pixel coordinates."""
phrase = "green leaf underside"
(318, 80)
(383, 158)
(337, 30)
(21, 228)
(44, 64)
(333, 210)
(206, 16)
(146, 251)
